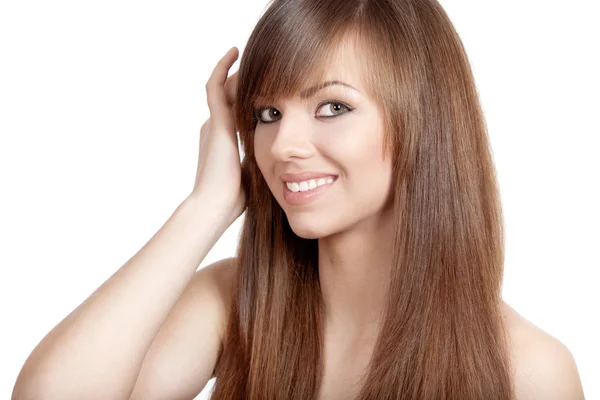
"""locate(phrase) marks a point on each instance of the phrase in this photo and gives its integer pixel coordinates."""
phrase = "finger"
(216, 97)
(231, 87)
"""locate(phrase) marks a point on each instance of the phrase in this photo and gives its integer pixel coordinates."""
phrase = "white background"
(100, 109)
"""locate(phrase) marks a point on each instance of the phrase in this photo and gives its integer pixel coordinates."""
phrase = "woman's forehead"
(338, 77)
(347, 86)
(341, 70)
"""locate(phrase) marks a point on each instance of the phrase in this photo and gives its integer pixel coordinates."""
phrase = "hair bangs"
(300, 53)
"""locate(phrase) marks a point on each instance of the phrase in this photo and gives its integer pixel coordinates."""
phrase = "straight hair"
(442, 335)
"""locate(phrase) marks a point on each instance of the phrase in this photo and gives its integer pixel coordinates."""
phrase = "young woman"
(370, 262)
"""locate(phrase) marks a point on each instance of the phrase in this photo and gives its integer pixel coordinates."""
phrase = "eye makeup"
(256, 113)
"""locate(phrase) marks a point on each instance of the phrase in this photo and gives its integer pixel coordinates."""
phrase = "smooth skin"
(219, 157)
(153, 329)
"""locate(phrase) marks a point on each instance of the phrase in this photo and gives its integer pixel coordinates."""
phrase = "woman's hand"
(218, 176)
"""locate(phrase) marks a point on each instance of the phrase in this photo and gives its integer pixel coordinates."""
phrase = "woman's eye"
(332, 109)
(260, 113)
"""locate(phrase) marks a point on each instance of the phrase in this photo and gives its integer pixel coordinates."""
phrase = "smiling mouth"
(297, 186)
(304, 197)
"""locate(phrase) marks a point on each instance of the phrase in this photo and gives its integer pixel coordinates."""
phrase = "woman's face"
(337, 131)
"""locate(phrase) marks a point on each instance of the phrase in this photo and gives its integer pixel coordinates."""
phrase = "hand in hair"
(219, 175)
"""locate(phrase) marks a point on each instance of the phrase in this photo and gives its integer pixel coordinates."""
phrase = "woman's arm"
(97, 351)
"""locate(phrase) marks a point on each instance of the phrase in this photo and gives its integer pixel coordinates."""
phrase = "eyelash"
(257, 111)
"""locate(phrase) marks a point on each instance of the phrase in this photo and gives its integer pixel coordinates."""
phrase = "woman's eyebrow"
(305, 94)
(310, 92)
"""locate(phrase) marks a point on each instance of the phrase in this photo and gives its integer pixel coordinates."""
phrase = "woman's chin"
(309, 229)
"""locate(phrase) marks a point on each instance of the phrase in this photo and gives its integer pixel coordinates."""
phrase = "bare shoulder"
(223, 273)
(544, 366)
(185, 350)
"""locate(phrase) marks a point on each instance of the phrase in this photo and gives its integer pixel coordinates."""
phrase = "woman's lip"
(301, 198)
(305, 176)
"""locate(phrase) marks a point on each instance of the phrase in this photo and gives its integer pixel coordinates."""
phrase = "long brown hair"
(442, 334)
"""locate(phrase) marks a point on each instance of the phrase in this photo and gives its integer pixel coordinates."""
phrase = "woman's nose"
(293, 138)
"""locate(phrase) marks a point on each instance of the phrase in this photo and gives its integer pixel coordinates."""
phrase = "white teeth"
(308, 185)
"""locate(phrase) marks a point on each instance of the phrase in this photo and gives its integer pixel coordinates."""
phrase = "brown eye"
(259, 114)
